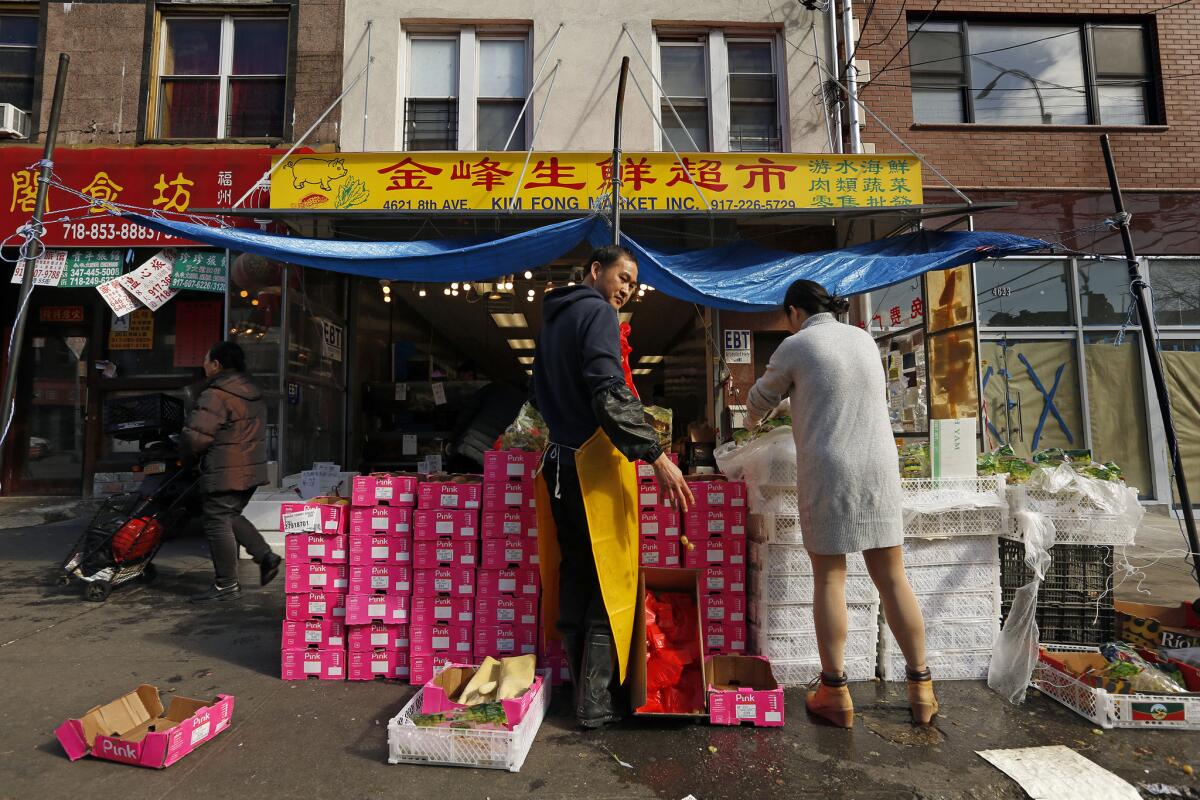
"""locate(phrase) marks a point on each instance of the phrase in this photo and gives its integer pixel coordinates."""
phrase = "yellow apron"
(609, 485)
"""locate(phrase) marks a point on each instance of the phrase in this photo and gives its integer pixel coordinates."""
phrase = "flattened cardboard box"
(133, 729)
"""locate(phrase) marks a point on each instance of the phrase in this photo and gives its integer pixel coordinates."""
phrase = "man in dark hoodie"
(226, 434)
(587, 508)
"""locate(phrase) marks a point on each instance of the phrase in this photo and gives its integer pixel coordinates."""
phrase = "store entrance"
(1031, 393)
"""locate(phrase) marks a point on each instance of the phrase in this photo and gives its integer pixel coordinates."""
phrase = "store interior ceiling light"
(528, 275)
(529, 372)
(510, 320)
(525, 359)
(641, 371)
(651, 359)
(522, 344)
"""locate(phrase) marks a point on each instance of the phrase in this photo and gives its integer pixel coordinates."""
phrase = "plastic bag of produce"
(768, 460)
(527, 431)
(661, 420)
(1111, 497)
(1015, 651)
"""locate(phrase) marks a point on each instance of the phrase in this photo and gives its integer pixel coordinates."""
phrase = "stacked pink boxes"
(316, 579)
(445, 559)
(381, 561)
(716, 531)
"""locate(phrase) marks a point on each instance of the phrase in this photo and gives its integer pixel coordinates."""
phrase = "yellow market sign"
(450, 181)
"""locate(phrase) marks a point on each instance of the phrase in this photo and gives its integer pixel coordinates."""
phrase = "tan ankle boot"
(921, 700)
(831, 701)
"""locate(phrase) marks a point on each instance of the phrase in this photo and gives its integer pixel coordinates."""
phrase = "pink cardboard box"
(501, 466)
(313, 576)
(509, 522)
(451, 492)
(743, 689)
(650, 496)
(718, 493)
(378, 634)
(367, 665)
(380, 579)
(513, 551)
(659, 552)
(703, 524)
(505, 640)
(509, 582)
(363, 609)
(315, 547)
(716, 552)
(380, 549)
(444, 552)
(645, 470)
(723, 579)
(514, 494)
(722, 608)
(428, 610)
(552, 658)
(330, 518)
(423, 668)
(398, 489)
(662, 523)
(432, 524)
(381, 520)
(453, 581)
(324, 634)
(498, 611)
(455, 640)
(301, 665)
(315, 605)
(139, 733)
(725, 637)
(450, 682)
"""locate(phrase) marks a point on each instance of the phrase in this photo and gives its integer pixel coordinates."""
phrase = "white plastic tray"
(785, 589)
(792, 559)
(956, 550)
(800, 673)
(1076, 517)
(946, 665)
(798, 617)
(803, 646)
(775, 528)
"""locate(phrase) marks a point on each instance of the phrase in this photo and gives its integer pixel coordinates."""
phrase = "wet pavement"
(59, 656)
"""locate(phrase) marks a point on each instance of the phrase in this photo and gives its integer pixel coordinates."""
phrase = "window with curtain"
(501, 93)
(431, 109)
(753, 101)
(18, 59)
(684, 68)
(222, 77)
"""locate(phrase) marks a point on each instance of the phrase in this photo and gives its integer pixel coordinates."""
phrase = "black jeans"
(580, 603)
(226, 528)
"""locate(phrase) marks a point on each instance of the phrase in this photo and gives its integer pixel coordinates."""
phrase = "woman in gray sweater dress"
(848, 486)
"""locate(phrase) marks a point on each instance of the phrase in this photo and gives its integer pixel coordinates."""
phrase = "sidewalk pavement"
(59, 656)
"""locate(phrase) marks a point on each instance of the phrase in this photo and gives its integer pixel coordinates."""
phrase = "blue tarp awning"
(739, 276)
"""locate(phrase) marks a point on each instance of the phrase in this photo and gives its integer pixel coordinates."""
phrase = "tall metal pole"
(1138, 286)
(851, 75)
(831, 37)
(616, 156)
(28, 264)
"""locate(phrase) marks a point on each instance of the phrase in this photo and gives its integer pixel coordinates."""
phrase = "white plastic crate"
(952, 634)
(456, 747)
(793, 559)
(775, 528)
(798, 617)
(978, 604)
(957, 522)
(946, 665)
(778, 499)
(803, 646)
(1109, 710)
(801, 673)
(775, 589)
(955, 550)
(1076, 517)
(954, 577)
(955, 506)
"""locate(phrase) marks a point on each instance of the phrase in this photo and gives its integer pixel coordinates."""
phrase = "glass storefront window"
(896, 307)
(1181, 363)
(1023, 293)
(1031, 394)
(948, 294)
(1176, 285)
(167, 343)
(1104, 297)
(255, 323)
(1117, 406)
(953, 390)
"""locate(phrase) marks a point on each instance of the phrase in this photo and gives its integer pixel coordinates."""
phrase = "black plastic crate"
(1087, 624)
(143, 415)
(1079, 574)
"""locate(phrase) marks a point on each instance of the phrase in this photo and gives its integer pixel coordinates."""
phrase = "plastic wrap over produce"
(1015, 652)
(768, 460)
(1111, 497)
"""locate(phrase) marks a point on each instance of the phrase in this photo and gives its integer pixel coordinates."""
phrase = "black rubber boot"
(269, 568)
(218, 592)
(596, 705)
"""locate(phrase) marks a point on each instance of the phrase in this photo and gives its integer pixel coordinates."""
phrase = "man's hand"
(672, 483)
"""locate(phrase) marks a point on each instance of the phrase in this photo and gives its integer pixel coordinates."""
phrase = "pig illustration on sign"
(316, 171)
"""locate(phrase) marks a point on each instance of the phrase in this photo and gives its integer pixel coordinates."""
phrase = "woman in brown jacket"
(225, 433)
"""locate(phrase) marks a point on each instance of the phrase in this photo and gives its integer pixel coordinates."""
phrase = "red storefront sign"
(63, 314)
(168, 179)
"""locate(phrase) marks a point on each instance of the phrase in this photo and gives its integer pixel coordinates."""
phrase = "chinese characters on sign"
(119, 300)
(200, 271)
(135, 334)
(60, 314)
(437, 181)
(151, 282)
(74, 269)
(47, 270)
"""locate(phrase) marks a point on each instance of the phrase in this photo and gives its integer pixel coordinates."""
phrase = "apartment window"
(1027, 74)
(431, 112)
(501, 93)
(221, 77)
(685, 86)
(18, 59)
(753, 86)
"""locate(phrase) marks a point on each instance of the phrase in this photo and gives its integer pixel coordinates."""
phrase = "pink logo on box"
(423, 668)
(500, 466)
(509, 582)
(498, 611)
(315, 605)
(381, 549)
(509, 552)
(316, 577)
(502, 640)
(378, 634)
(705, 523)
(760, 705)
(659, 553)
(315, 547)
(432, 524)
(444, 552)
(454, 581)
(660, 523)
(726, 551)
(718, 494)
(384, 489)
(302, 665)
(723, 579)
(380, 579)
(363, 609)
(333, 517)
(509, 522)
(450, 494)
(722, 608)
(324, 633)
(381, 521)
(513, 494)
(445, 610)
(725, 637)
(455, 640)
(367, 665)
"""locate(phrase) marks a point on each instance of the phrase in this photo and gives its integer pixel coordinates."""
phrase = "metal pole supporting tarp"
(616, 156)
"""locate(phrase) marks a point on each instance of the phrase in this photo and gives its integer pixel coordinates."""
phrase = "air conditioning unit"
(14, 123)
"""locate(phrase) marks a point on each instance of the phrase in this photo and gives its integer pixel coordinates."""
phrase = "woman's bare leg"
(900, 609)
(829, 611)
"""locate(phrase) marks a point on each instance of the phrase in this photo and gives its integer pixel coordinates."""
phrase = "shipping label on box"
(513, 494)
(303, 606)
(444, 552)
(509, 582)
(313, 576)
(718, 494)
(659, 552)
(645, 470)
(325, 633)
(509, 522)
(502, 611)
(442, 610)
(329, 519)
(363, 609)
(511, 552)
(423, 668)
(722, 608)
(382, 489)
(381, 549)
(725, 637)
(315, 547)
(367, 665)
(500, 466)
(453, 581)
(702, 524)
(378, 634)
(456, 494)
(661, 523)
(381, 520)
(302, 665)
(453, 640)
(716, 551)
(723, 579)
(501, 641)
(432, 524)
(381, 579)
(650, 496)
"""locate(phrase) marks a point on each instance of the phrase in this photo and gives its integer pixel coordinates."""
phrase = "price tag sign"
(737, 347)
(401, 392)
(439, 394)
(306, 521)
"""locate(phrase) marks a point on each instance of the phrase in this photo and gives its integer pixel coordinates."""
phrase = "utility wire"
(903, 47)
